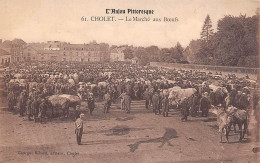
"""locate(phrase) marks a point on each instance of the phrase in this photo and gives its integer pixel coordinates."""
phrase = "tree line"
(235, 43)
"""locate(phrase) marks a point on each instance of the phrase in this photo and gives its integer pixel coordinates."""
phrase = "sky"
(60, 20)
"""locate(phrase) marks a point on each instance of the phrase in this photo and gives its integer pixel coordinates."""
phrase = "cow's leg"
(245, 127)
(206, 113)
(41, 116)
(221, 135)
(234, 126)
(227, 133)
(240, 131)
(51, 112)
(244, 130)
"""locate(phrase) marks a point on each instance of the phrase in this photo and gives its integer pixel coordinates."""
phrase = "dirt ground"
(139, 136)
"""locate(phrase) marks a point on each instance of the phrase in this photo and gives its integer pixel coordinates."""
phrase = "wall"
(207, 67)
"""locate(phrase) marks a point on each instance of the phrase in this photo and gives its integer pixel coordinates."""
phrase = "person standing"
(205, 105)
(29, 108)
(195, 102)
(11, 100)
(42, 109)
(79, 128)
(108, 100)
(22, 103)
(156, 100)
(127, 101)
(185, 109)
(122, 97)
(165, 105)
(35, 107)
(91, 103)
(147, 97)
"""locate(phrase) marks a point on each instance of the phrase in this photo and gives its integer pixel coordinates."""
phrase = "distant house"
(15, 48)
(91, 52)
(117, 54)
(5, 58)
(30, 53)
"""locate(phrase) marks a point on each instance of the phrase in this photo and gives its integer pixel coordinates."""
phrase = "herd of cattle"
(52, 88)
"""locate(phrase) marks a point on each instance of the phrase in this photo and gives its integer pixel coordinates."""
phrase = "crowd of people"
(27, 87)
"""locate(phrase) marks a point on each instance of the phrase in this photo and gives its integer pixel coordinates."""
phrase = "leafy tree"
(207, 30)
(178, 50)
(142, 55)
(129, 53)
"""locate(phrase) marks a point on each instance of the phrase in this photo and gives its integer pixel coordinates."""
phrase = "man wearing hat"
(22, 102)
(156, 100)
(79, 128)
(165, 105)
(11, 100)
(108, 101)
(147, 97)
(185, 109)
(122, 97)
(42, 109)
(127, 102)
(205, 105)
(91, 103)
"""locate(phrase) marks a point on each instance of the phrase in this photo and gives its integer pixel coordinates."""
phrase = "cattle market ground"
(139, 136)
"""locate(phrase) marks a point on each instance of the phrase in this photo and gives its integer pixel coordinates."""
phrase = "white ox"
(102, 84)
(22, 82)
(215, 88)
(177, 94)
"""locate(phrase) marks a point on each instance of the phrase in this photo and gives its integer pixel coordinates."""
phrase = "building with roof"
(82, 52)
(5, 58)
(64, 52)
(117, 54)
(15, 48)
(53, 45)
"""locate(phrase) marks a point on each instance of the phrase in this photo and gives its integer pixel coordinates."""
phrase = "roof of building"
(118, 50)
(3, 52)
(90, 46)
(18, 42)
(36, 46)
(7, 43)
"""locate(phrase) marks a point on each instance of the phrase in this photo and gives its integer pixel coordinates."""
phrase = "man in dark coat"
(165, 105)
(29, 108)
(35, 107)
(22, 103)
(11, 100)
(195, 101)
(244, 103)
(232, 96)
(42, 109)
(237, 99)
(91, 103)
(77, 112)
(79, 129)
(205, 105)
(185, 109)
(156, 100)
(127, 101)
(147, 97)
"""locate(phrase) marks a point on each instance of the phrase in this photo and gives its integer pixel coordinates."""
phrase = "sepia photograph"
(144, 81)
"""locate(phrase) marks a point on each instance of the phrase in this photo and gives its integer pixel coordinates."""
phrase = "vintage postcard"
(129, 81)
